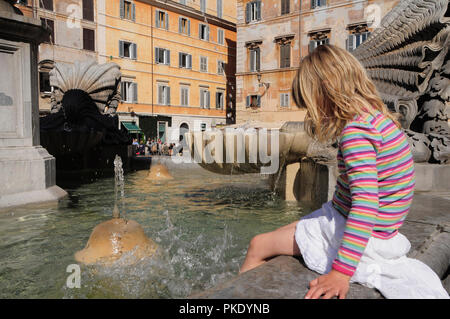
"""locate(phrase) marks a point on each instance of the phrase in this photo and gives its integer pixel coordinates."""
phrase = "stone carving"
(100, 81)
(408, 60)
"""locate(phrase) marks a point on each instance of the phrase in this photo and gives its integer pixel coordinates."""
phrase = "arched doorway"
(184, 128)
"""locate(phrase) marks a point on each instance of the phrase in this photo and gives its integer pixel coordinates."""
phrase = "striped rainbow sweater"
(375, 185)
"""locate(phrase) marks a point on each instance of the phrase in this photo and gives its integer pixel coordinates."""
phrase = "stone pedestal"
(27, 171)
(314, 182)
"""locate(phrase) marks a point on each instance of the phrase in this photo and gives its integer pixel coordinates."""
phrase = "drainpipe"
(300, 32)
(153, 51)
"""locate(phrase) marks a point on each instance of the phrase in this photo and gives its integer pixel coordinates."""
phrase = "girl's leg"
(275, 243)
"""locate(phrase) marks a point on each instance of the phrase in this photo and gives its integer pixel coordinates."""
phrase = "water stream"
(201, 221)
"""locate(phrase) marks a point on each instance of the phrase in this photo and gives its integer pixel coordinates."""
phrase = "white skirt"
(383, 265)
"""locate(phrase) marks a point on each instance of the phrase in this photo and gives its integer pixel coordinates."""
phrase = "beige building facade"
(274, 35)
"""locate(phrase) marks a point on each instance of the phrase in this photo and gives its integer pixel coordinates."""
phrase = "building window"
(88, 10)
(127, 10)
(203, 32)
(185, 60)
(253, 101)
(127, 50)
(285, 6)
(220, 96)
(46, 4)
(203, 6)
(255, 59)
(318, 38)
(163, 94)
(88, 39)
(203, 64)
(184, 96)
(220, 67)
(183, 2)
(220, 36)
(253, 11)
(129, 92)
(285, 55)
(44, 82)
(51, 25)
(184, 26)
(358, 34)
(219, 9)
(318, 3)
(284, 99)
(204, 99)
(162, 56)
(162, 19)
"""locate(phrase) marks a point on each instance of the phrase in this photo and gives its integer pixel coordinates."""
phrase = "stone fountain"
(113, 239)
(27, 170)
(82, 131)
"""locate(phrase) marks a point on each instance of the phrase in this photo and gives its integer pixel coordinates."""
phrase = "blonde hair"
(333, 87)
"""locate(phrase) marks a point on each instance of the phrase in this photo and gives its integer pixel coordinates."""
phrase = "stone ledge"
(50, 194)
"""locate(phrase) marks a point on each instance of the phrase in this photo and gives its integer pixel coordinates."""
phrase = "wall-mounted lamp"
(266, 85)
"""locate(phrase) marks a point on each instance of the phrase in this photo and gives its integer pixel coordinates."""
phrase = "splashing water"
(202, 230)
(118, 185)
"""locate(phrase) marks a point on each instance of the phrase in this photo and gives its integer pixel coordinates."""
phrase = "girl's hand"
(333, 284)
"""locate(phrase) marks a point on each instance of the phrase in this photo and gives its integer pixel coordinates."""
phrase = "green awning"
(131, 127)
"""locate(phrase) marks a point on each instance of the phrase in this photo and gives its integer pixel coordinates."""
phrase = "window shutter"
(252, 60)
(189, 61)
(133, 12)
(312, 45)
(207, 33)
(202, 99)
(157, 18)
(258, 10)
(156, 55)
(167, 21)
(189, 27)
(135, 93)
(248, 12)
(122, 89)
(351, 42)
(200, 31)
(120, 48)
(160, 94)
(180, 27)
(258, 59)
(167, 53)
(258, 101)
(247, 101)
(180, 59)
(168, 95)
(122, 9)
(134, 49)
(217, 100)
(208, 98)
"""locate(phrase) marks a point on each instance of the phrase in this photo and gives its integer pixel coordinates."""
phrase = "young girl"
(355, 236)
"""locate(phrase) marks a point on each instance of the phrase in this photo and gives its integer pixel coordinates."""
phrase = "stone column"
(27, 171)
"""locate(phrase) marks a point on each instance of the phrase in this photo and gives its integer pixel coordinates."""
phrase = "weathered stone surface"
(281, 278)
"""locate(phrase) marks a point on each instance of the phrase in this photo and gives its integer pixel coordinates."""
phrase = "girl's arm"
(359, 144)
